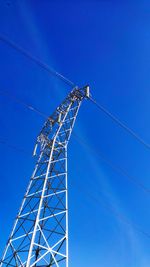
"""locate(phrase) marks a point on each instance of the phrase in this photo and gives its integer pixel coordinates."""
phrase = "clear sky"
(105, 44)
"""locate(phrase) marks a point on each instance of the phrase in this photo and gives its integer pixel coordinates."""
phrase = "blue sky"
(105, 44)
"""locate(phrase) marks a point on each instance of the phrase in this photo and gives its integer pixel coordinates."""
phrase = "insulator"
(87, 91)
(35, 149)
(59, 118)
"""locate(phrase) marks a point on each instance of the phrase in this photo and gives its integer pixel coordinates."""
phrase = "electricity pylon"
(40, 233)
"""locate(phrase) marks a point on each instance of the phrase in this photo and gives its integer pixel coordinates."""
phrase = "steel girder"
(40, 233)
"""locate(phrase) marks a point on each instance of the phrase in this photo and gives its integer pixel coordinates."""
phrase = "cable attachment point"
(43, 141)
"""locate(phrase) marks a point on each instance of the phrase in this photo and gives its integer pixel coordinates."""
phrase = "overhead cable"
(14, 147)
(69, 82)
(98, 201)
(117, 168)
(16, 99)
(36, 60)
(120, 123)
(116, 213)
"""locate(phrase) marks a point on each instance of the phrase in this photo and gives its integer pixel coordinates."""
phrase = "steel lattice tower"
(40, 233)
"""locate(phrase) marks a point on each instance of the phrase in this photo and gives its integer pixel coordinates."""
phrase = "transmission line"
(69, 82)
(17, 100)
(36, 60)
(116, 120)
(14, 147)
(96, 200)
(113, 210)
(117, 168)
(120, 123)
(81, 141)
(108, 207)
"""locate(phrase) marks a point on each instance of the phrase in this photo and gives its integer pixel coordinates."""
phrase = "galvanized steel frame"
(40, 233)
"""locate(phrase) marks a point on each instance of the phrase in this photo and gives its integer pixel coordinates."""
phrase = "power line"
(113, 210)
(116, 120)
(120, 123)
(81, 141)
(17, 100)
(14, 147)
(117, 168)
(69, 82)
(107, 206)
(36, 60)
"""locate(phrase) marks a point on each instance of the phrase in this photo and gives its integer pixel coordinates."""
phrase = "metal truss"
(40, 233)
